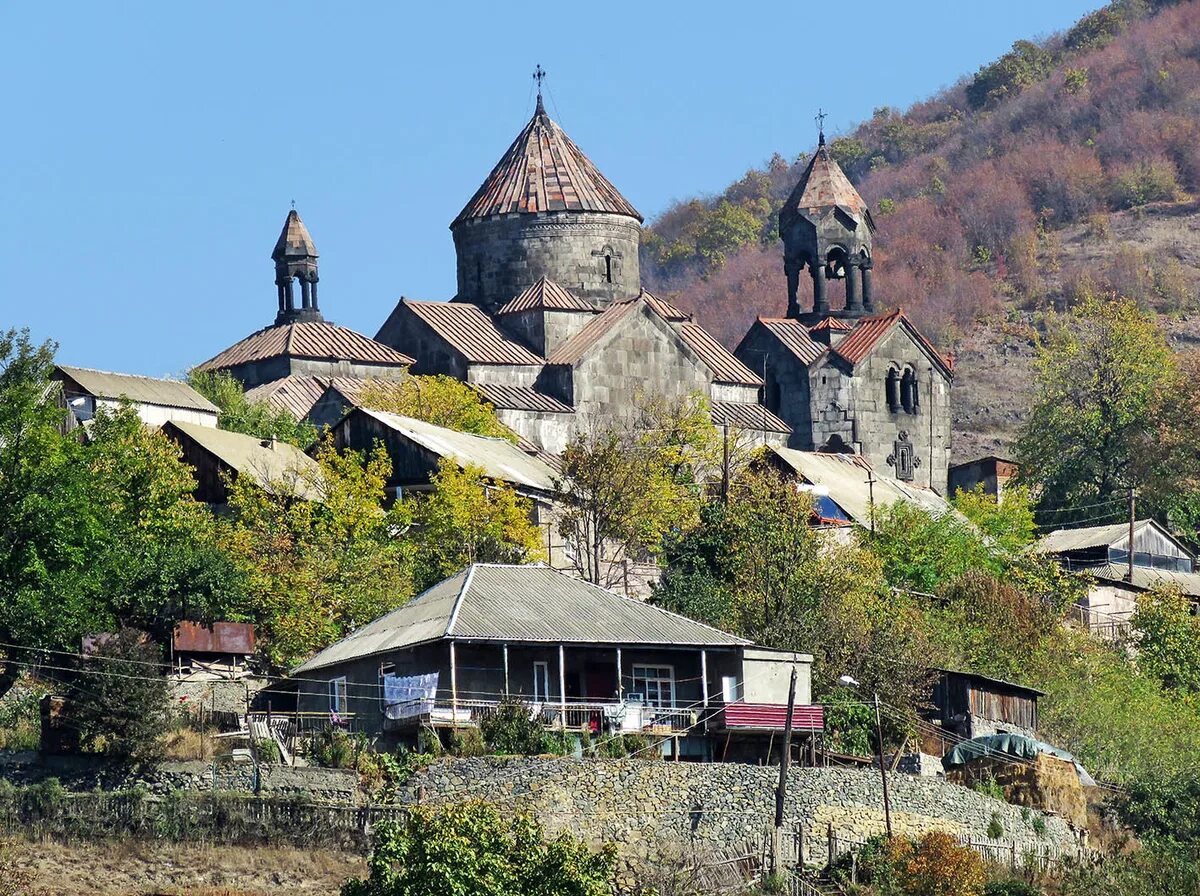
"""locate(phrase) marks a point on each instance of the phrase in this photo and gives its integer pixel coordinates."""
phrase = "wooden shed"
(967, 705)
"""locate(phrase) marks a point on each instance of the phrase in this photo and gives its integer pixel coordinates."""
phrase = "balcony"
(593, 717)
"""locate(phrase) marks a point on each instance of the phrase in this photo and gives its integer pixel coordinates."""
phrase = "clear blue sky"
(150, 150)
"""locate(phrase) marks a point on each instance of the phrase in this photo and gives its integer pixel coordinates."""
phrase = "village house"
(993, 473)
(966, 706)
(84, 392)
(585, 661)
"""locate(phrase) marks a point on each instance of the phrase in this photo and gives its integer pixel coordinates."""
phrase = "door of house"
(541, 682)
(600, 681)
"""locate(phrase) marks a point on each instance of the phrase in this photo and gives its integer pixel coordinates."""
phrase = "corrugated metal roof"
(319, 340)
(823, 185)
(544, 171)
(220, 637)
(747, 416)
(521, 604)
(143, 389)
(579, 344)
(499, 459)
(521, 398)
(665, 309)
(1146, 577)
(295, 394)
(472, 333)
(548, 295)
(844, 476)
(268, 464)
(720, 361)
(870, 331)
(1061, 541)
(794, 336)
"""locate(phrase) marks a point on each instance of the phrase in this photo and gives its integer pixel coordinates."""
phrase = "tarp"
(412, 695)
(1017, 746)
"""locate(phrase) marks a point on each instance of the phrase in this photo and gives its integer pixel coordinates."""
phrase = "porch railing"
(574, 715)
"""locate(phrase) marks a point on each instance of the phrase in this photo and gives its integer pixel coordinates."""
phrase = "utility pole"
(1132, 511)
(871, 497)
(784, 761)
(887, 803)
(725, 463)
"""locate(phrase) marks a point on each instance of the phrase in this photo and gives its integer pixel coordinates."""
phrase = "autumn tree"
(441, 400)
(467, 519)
(254, 418)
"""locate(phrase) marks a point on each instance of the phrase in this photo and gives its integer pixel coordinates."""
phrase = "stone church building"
(552, 326)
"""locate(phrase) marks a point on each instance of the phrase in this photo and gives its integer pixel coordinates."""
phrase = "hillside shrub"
(1012, 887)
(1155, 180)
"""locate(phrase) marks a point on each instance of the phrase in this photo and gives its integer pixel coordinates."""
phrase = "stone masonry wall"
(649, 808)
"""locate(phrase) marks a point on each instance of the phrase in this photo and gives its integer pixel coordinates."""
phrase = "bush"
(989, 786)
(1150, 181)
(995, 828)
(336, 748)
(1013, 887)
(467, 742)
(20, 717)
(936, 865)
(512, 729)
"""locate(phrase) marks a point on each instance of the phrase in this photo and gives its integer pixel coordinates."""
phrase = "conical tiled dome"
(823, 185)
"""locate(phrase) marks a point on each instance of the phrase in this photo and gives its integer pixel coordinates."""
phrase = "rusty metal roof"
(794, 336)
(320, 340)
(579, 344)
(720, 361)
(220, 637)
(294, 240)
(141, 389)
(521, 398)
(548, 295)
(543, 171)
(831, 323)
(665, 309)
(472, 333)
(823, 185)
(520, 604)
(297, 393)
(871, 330)
(740, 415)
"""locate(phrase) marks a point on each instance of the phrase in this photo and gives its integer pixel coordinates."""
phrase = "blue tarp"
(1016, 746)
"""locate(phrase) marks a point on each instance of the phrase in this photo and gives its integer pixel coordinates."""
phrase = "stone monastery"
(552, 326)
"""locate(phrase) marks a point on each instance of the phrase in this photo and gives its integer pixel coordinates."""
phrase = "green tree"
(471, 848)
(1168, 639)
(1025, 64)
(921, 551)
(441, 400)
(467, 519)
(254, 418)
(723, 230)
(1007, 521)
(318, 569)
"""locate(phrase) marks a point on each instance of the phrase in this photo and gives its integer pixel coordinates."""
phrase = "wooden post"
(562, 683)
(781, 790)
(704, 677)
(1132, 509)
(887, 804)
(453, 686)
(620, 683)
(830, 844)
(506, 669)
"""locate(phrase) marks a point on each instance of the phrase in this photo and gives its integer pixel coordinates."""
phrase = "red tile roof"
(794, 336)
(724, 366)
(830, 323)
(318, 340)
(822, 185)
(871, 330)
(546, 294)
(543, 171)
(472, 333)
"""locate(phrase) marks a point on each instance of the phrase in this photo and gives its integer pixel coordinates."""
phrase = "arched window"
(909, 396)
(892, 390)
(608, 267)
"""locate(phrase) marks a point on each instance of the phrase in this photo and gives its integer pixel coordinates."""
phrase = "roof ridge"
(462, 593)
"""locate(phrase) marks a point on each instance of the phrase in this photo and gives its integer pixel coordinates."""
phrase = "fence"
(1038, 857)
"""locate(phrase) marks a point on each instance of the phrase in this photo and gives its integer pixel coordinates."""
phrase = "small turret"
(295, 258)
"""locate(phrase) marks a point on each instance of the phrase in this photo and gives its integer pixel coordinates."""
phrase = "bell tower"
(826, 228)
(295, 259)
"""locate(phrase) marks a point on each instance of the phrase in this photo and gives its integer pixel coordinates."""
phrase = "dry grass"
(142, 868)
(186, 743)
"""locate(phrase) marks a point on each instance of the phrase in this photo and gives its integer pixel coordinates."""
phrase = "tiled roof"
(548, 295)
(870, 330)
(294, 241)
(319, 340)
(521, 398)
(577, 346)
(724, 366)
(141, 389)
(823, 185)
(267, 462)
(794, 336)
(831, 323)
(746, 416)
(543, 171)
(520, 604)
(665, 309)
(472, 333)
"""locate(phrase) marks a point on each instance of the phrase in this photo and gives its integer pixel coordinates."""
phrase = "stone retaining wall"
(649, 806)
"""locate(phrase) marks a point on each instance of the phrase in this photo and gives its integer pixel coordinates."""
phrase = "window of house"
(337, 695)
(656, 684)
(541, 682)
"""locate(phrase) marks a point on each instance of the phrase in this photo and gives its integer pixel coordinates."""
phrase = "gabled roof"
(595, 329)
(297, 393)
(665, 309)
(546, 295)
(543, 171)
(268, 462)
(844, 477)
(830, 323)
(1114, 535)
(824, 185)
(520, 605)
(521, 398)
(1146, 577)
(294, 240)
(141, 389)
(471, 332)
(724, 366)
(747, 416)
(499, 459)
(793, 336)
(317, 340)
(870, 331)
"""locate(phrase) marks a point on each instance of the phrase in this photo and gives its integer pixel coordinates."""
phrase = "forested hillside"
(1062, 169)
